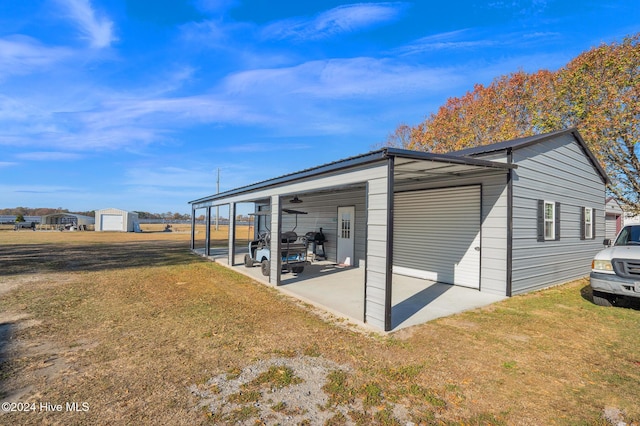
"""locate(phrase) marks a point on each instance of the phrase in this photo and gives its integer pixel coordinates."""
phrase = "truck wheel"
(297, 269)
(248, 261)
(603, 299)
(266, 268)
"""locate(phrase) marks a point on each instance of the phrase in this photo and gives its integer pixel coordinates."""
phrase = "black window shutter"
(593, 224)
(582, 223)
(540, 220)
(557, 221)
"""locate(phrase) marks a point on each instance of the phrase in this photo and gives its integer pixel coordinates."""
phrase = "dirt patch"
(257, 394)
(8, 284)
(271, 403)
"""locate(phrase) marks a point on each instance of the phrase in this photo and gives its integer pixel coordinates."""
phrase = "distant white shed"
(117, 220)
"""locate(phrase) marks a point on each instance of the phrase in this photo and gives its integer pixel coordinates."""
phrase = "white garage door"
(112, 222)
(437, 235)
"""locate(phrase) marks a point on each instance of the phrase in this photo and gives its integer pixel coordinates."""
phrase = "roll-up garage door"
(112, 222)
(437, 235)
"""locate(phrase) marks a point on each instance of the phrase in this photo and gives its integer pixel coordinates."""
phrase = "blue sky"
(136, 104)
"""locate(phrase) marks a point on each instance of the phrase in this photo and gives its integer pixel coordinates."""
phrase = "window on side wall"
(548, 220)
(588, 231)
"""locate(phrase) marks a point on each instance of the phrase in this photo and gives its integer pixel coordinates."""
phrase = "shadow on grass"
(5, 336)
(626, 302)
(35, 258)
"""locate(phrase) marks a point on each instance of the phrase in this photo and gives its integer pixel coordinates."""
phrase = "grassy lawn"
(142, 332)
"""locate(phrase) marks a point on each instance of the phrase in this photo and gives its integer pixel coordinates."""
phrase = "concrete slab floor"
(340, 291)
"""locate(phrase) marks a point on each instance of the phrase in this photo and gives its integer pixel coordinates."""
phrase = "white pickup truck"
(615, 271)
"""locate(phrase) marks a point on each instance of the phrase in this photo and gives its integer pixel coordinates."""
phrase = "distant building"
(614, 218)
(117, 220)
(66, 221)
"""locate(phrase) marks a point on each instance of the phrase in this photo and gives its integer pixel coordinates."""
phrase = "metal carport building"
(471, 220)
(66, 220)
(363, 190)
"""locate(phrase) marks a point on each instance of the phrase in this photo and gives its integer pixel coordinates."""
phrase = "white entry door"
(346, 221)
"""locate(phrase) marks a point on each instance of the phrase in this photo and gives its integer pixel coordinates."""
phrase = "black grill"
(627, 268)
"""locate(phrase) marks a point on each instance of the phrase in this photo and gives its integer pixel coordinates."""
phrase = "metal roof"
(49, 219)
(369, 157)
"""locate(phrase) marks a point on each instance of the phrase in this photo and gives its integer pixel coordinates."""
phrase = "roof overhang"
(409, 165)
(412, 166)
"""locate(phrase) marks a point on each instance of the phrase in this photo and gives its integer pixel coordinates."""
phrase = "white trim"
(588, 223)
(551, 221)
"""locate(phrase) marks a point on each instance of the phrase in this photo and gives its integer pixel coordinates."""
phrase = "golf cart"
(293, 251)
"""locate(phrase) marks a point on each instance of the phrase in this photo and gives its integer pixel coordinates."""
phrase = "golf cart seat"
(289, 237)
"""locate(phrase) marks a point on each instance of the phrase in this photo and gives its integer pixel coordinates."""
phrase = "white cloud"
(340, 78)
(336, 21)
(48, 156)
(35, 189)
(22, 55)
(460, 39)
(289, 100)
(475, 39)
(7, 164)
(97, 29)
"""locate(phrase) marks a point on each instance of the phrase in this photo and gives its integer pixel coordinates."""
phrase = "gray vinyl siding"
(558, 171)
(493, 232)
(322, 212)
(376, 263)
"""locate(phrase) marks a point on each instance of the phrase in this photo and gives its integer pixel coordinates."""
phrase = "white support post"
(276, 216)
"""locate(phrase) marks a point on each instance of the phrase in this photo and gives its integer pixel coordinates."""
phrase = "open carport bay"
(340, 291)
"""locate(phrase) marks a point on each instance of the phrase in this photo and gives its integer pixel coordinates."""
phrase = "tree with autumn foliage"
(598, 92)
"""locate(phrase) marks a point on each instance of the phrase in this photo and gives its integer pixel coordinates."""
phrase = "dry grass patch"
(146, 333)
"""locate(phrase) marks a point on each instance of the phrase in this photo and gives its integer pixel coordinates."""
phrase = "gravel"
(301, 403)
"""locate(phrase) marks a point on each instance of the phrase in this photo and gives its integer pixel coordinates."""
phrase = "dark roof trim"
(336, 165)
(66, 215)
(446, 158)
(370, 157)
(531, 140)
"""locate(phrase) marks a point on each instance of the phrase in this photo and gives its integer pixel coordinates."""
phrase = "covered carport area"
(355, 202)
(66, 221)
